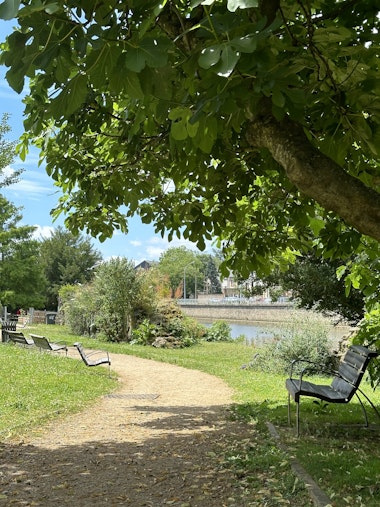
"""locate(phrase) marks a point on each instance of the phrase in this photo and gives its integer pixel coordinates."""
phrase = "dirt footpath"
(157, 441)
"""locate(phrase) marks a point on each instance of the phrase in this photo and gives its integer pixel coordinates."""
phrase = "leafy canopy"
(255, 122)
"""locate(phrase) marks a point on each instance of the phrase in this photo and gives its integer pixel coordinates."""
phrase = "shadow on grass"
(335, 447)
(192, 456)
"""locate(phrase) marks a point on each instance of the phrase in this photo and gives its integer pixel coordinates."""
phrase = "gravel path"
(157, 441)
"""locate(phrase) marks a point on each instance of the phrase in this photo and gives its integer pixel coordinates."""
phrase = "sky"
(36, 195)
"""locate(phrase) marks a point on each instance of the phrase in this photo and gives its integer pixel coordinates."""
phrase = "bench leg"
(363, 409)
(298, 419)
(289, 418)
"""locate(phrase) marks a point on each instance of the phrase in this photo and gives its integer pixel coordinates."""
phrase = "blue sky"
(36, 194)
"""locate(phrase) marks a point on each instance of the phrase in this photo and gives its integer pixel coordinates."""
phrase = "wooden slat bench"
(344, 386)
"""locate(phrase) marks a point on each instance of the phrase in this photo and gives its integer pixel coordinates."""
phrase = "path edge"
(318, 496)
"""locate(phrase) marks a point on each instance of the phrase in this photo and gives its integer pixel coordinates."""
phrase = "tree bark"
(316, 175)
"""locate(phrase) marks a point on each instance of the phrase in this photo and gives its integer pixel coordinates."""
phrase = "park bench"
(88, 357)
(18, 337)
(345, 384)
(44, 344)
(5, 327)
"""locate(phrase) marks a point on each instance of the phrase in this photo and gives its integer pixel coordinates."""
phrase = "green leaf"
(155, 51)
(15, 78)
(134, 59)
(340, 271)
(63, 69)
(9, 9)
(181, 126)
(207, 133)
(71, 98)
(151, 51)
(228, 61)
(210, 56)
(246, 44)
(100, 64)
(316, 226)
(132, 86)
(278, 98)
(233, 5)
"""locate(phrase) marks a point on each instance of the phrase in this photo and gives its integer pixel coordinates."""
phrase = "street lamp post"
(184, 279)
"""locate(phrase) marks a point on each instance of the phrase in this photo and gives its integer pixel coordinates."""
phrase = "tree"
(117, 288)
(22, 281)
(256, 122)
(67, 260)
(314, 285)
(180, 265)
(211, 282)
(7, 155)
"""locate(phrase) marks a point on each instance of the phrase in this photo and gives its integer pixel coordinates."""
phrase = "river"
(260, 333)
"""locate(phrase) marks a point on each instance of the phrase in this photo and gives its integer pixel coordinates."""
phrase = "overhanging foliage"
(256, 122)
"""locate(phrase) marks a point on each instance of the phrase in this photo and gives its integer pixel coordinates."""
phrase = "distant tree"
(7, 155)
(25, 276)
(211, 274)
(314, 285)
(159, 281)
(22, 281)
(67, 259)
(177, 263)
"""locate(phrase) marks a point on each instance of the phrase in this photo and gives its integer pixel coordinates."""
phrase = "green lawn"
(341, 455)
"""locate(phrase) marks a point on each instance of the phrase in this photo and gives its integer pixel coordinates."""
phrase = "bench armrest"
(311, 368)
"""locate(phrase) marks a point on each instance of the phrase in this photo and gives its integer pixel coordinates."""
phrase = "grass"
(341, 455)
(37, 387)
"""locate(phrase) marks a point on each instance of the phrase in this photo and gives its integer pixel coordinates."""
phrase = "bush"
(169, 329)
(305, 337)
(219, 331)
(78, 308)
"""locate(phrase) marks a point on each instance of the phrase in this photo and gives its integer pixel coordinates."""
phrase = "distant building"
(144, 265)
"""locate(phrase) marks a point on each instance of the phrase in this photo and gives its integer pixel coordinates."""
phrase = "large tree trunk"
(316, 175)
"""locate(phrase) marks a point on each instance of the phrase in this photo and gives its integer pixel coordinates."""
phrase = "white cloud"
(136, 243)
(153, 253)
(43, 232)
(32, 188)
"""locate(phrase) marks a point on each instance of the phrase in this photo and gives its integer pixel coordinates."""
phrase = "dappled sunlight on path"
(158, 440)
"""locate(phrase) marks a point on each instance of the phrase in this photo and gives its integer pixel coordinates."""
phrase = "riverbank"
(257, 322)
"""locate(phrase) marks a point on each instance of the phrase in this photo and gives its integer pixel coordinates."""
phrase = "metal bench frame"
(18, 337)
(90, 362)
(344, 386)
(43, 343)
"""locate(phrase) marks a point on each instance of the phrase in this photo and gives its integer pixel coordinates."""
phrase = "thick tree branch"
(316, 175)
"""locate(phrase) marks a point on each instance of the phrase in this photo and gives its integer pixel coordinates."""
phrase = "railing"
(233, 302)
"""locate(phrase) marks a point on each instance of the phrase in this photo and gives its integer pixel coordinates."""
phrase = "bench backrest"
(41, 341)
(81, 351)
(18, 337)
(352, 369)
(87, 360)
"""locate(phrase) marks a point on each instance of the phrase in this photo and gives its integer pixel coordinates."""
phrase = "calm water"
(262, 332)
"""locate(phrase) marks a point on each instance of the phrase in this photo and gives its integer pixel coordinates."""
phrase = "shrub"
(145, 333)
(78, 308)
(304, 337)
(169, 328)
(219, 331)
